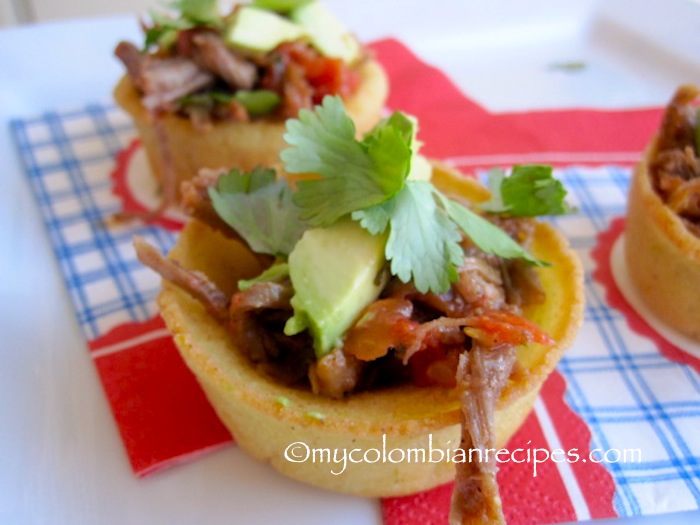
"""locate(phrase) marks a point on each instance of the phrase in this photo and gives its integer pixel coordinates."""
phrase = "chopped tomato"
(325, 75)
(330, 76)
(496, 327)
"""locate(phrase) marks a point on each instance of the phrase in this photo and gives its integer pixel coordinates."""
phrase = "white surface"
(62, 461)
(618, 266)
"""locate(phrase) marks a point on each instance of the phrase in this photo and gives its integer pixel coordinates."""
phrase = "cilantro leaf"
(158, 35)
(389, 147)
(375, 219)
(369, 179)
(529, 191)
(260, 209)
(164, 30)
(236, 181)
(423, 244)
(354, 174)
(486, 235)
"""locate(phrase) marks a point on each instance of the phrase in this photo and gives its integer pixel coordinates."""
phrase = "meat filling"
(465, 338)
(197, 76)
(675, 166)
(481, 375)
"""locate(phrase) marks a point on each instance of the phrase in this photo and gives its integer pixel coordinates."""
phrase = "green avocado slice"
(260, 30)
(326, 32)
(336, 272)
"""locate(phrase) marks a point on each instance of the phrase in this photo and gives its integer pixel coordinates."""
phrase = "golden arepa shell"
(662, 256)
(244, 145)
(403, 417)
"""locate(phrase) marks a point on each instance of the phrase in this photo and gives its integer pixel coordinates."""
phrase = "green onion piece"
(258, 102)
(281, 6)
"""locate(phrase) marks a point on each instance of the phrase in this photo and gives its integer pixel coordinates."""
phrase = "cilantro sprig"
(260, 209)
(354, 174)
(529, 191)
(377, 182)
(191, 13)
(369, 180)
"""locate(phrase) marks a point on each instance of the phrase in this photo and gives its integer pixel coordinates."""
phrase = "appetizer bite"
(374, 301)
(212, 91)
(662, 231)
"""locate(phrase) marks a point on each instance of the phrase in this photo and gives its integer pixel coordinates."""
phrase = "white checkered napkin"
(630, 395)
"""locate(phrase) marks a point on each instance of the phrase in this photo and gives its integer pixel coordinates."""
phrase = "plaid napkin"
(614, 390)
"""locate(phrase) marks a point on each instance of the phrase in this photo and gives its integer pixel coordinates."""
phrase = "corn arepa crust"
(662, 256)
(249, 403)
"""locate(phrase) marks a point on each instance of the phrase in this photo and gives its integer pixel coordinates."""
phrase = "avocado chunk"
(260, 30)
(326, 32)
(336, 272)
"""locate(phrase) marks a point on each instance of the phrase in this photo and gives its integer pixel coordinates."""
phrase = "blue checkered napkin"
(68, 157)
(630, 395)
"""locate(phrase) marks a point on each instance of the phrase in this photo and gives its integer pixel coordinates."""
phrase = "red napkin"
(162, 414)
(164, 418)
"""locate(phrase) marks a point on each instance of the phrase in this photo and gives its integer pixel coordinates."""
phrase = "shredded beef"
(685, 200)
(481, 375)
(426, 306)
(246, 307)
(162, 80)
(675, 166)
(440, 332)
(677, 124)
(212, 54)
(522, 283)
(480, 284)
(195, 283)
(335, 374)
